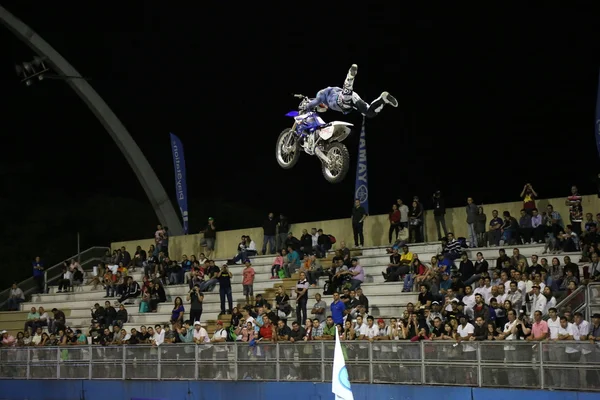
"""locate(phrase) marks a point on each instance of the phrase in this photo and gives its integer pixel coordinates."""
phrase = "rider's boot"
(389, 99)
(352, 72)
(349, 82)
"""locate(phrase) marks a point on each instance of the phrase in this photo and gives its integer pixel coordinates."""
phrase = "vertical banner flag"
(340, 384)
(361, 187)
(180, 184)
(597, 132)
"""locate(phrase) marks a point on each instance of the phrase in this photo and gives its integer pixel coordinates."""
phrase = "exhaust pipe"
(322, 156)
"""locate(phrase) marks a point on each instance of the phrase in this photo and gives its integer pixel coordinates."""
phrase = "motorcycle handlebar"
(300, 96)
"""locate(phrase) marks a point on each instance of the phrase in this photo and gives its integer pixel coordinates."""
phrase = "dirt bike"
(313, 136)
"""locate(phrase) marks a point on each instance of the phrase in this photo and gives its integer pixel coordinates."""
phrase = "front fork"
(292, 133)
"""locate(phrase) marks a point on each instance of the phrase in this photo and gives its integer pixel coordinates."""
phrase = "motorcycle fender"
(337, 131)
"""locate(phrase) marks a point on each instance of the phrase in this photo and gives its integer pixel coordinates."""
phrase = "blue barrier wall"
(184, 390)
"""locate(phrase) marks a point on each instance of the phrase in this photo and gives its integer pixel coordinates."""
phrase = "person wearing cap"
(7, 339)
(199, 334)
(209, 237)
(538, 300)
(220, 337)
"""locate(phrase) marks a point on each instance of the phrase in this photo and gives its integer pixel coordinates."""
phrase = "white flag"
(340, 384)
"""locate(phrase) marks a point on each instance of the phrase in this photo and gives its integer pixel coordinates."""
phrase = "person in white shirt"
(515, 296)
(220, 337)
(37, 338)
(469, 297)
(554, 352)
(570, 377)
(200, 334)
(44, 319)
(509, 334)
(486, 290)
(464, 331)
(159, 336)
(538, 300)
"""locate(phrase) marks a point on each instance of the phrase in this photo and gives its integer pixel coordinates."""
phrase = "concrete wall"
(376, 228)
(184, 390)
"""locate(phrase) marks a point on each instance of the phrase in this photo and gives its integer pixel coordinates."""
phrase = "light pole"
(50, 58)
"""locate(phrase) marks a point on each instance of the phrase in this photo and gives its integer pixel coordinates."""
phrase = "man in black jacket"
(283, 228)
(270, 230)
(439, 214)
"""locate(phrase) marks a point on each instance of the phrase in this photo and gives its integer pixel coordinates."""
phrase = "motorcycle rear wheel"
(336, 171)
(287, 154)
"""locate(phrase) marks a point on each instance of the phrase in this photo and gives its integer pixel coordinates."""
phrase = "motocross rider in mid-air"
(345, 99)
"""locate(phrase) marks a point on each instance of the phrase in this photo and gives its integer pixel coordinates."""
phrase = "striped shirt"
(453, 246)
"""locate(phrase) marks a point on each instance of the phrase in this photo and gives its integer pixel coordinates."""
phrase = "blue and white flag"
(597, 131)
(361, 186)
(340, 384)
(180, 184)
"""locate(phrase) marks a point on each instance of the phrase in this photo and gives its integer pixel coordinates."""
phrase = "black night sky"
(490, 98)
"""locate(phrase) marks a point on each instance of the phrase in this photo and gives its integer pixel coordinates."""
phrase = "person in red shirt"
(394, 222)
(267, 331)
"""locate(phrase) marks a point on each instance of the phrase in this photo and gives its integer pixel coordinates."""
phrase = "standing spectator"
(269, 233)
(159, 237)
(394, 218)
(480, 225)
(209, 238)
(301, 298)
(415, 217)
(528, 195)
(224, 276)
(439, 214)
(15, 297)
(195, 297)
(283, 229)
(575, 209)
(38, 274)
(248, 282)
(472, 212)
(403, 213)
(358, 218)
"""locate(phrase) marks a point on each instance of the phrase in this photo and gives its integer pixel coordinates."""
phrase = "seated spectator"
(32, 317)
(278, 264)
(568, 241)
(357, 274)
(417, 274)
(246, 249)
(43, 320)
(312, 268)
(525, 229)
(15, 297)
(510, 229)
(132, 290)
(323, 244)
(157, 295)
(64, 283)
(58, 322)
(494, 233)
(292, 264)
(99, 314)
(452, 248)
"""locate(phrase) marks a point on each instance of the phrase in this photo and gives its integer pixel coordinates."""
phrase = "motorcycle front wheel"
(287, 150)
(339, 158)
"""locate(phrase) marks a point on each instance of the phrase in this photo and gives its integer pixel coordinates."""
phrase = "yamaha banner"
(361, 187)
(180, 185)
(597, 130)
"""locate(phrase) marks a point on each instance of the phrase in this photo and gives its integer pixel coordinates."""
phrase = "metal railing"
(29, 285)
(593, 299)
(522, 364)
(573, 301)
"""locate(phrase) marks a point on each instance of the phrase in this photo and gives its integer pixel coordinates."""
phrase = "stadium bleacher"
(386, 299)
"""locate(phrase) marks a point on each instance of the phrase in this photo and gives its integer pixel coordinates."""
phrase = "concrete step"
(9, 316)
